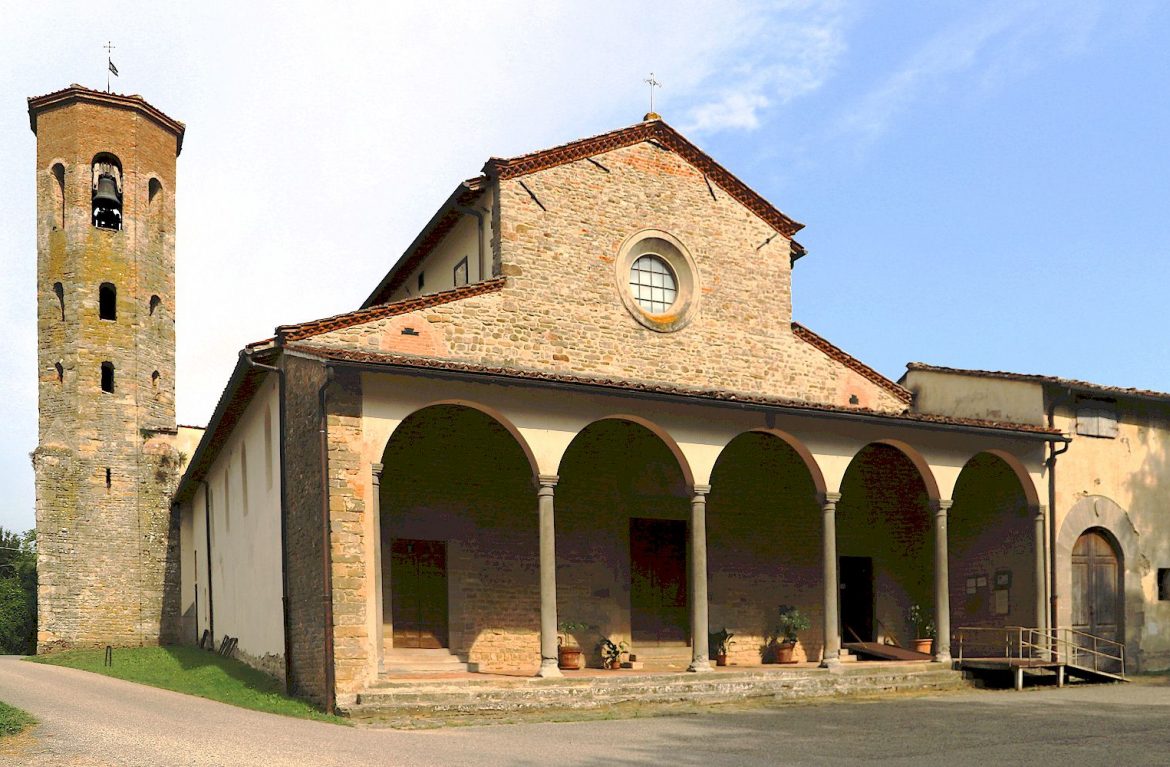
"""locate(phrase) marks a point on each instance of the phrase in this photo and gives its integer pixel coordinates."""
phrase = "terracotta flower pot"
(923, 645)
(721, 660)
(616, 663)
(784, 652)
(569, 658)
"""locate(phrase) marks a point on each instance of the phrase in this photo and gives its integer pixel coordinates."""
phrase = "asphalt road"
(88, 719)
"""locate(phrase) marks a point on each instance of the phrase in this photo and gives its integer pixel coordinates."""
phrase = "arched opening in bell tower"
(107, 191)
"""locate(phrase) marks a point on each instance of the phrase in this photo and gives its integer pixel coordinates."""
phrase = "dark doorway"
(658, 581)
(856, 584)
(418, 583)
(1096, 586)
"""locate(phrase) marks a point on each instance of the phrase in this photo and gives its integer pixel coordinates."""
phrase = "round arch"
(798, 447)
(1031, 497)
(662, 434)
(917, 460)
(491, 413)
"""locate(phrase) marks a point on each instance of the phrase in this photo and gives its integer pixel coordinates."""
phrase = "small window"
(154, 302)
(109, 479)
(421, 281)
(652, 283)
(59, 292)
(154, 378)
(1164, 584)
(1096, 419)
(60, 371)
(108, 301)
(108, 377)
(461, 273)
(58, 196)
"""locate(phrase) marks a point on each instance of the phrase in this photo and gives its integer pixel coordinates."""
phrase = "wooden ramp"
(884, 651)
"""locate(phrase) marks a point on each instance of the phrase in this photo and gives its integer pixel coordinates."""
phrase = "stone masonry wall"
(562, 311)
(105, 463)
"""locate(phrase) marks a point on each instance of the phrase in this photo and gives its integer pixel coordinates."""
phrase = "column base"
(832, 663)
(549, 669)
(700, 666)
(943, 657)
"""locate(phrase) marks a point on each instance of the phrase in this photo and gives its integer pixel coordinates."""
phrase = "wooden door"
(658, 587)
(418, 583)
(855, 581)
(1096, 587)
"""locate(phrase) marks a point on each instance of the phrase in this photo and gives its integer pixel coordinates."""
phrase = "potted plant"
(569, 655)
(923, 626)
(789, 624)
(611, 652)
(720, 642)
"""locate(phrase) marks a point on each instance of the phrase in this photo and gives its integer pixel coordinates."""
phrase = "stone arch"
(662, 434)
(490, 412)
(802, 451)
(920, 463)
(1031, 497)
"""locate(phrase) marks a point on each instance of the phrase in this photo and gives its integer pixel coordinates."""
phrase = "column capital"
(376, 470)
(1041, 511)
(830, 498)
(546, 482)
(942, 505)
(701, 489)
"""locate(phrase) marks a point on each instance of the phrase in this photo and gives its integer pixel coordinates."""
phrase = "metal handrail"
(1056, 645)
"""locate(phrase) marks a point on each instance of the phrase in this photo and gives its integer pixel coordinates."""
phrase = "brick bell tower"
(106, 463)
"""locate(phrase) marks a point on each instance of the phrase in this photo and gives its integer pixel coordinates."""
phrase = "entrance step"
(663, 657)
(400, 661)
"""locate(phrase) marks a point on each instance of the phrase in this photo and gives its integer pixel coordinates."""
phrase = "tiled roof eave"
(1067, 383)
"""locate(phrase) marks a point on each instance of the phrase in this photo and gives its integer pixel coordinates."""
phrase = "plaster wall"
(964, 396)
(246, 561)
(438, 267)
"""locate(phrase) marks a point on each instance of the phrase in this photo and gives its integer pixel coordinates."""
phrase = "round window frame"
(686, 274)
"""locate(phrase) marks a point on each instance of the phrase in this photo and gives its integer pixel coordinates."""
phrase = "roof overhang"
(76, 93)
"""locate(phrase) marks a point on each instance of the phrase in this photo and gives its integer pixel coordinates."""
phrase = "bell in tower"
(107, 192)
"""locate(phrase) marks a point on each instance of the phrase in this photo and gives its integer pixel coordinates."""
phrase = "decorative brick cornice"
(38, 104)
(361, 316)
(651, 130)
(851, 362)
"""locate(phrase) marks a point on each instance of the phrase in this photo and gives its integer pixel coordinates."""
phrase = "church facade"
(576, 408)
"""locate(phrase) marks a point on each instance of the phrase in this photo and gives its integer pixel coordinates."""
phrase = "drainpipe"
(210, 580)
(326, 547)
(247, 356)
(1053, 452)
(478, 232)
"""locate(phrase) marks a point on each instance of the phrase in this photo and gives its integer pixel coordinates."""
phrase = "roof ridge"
(839, 354)
(657, 130)
(360, 316)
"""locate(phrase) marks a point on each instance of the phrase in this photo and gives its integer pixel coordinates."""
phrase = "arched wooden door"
(1097, 606)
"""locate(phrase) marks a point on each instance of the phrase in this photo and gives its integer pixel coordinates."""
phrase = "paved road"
(88, 719)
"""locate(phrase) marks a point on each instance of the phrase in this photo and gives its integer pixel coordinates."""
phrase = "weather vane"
(110, 68)
(653, 84)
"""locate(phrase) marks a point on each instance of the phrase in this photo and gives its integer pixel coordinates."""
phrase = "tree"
(18, 592)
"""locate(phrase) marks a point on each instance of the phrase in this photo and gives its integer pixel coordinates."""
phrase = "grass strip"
(13, 721)
(194, 672)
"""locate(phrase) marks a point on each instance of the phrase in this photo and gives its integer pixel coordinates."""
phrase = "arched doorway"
(459, 539)
(1097, 607)
(622, 510)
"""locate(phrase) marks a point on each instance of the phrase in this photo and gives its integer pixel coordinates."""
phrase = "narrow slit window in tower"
(154, 302)
(108, 377)
(59, 292)
(107, 479)
(58, 196)
(108, 301)
(60, 371)
(154, 378)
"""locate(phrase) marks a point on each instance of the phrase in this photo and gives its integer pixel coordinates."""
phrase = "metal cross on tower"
(653, 84)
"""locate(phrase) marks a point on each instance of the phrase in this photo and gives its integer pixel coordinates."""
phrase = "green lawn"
(13, 721)
(194, 672)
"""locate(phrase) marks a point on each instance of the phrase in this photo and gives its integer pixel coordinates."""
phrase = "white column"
(698, 580)
(832, 652)
(548, 577)
(1041, 568)
(942, 587)
(379, 616)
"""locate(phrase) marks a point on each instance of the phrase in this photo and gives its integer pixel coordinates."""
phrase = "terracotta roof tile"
(851, 362)
(431, 363)
(361, 316)
(1070, 383)
(80, 93)
(651, 130)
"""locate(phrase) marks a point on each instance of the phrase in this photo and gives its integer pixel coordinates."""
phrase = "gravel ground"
(91, 720)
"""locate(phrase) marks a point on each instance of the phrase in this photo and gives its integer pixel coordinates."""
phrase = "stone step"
(470, 696)
(409, 661)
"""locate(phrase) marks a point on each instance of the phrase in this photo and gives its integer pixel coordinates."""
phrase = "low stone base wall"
(469, 696)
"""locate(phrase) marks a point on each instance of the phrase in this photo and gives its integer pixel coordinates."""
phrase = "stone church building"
(578, 397)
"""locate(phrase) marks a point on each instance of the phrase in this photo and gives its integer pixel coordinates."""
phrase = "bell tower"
(106, 463)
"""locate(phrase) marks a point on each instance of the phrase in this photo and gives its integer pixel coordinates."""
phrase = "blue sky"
(983, 184)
